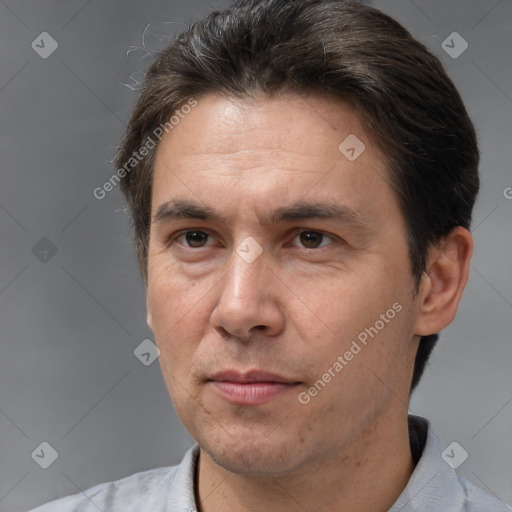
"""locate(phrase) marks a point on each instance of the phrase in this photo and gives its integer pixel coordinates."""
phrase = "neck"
(367, 474)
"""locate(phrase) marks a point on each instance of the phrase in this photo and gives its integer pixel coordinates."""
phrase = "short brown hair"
(344, 49)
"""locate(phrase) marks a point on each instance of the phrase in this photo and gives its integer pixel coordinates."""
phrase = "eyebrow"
(178, 209)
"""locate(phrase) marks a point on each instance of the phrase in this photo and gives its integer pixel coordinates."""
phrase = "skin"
(294, 309)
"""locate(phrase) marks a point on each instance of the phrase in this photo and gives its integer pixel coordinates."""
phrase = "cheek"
(348, 318)
(352, 380)
(340, 303)
(172, 295)
(178, 327)
(179, 313)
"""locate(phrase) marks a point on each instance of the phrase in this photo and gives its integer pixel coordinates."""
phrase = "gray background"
(69, 325)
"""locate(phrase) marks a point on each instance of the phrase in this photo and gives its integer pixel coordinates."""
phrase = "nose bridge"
(245, 300)
(246, 275)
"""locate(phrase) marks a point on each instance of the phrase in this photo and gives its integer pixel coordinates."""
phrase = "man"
(301, 176)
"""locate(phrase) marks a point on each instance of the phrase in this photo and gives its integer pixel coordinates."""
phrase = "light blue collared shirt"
(434, 486)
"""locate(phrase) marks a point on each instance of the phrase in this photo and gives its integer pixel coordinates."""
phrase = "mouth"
(254, 387)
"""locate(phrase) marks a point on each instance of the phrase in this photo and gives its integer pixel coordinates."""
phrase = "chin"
(253, 454)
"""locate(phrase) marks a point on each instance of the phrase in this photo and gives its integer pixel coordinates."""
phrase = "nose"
(249, 300)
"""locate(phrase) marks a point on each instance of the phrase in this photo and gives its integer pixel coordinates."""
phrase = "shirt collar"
(182, 497)
(433, 485)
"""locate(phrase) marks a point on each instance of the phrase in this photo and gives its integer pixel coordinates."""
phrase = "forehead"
(299, 124)
(269, 151)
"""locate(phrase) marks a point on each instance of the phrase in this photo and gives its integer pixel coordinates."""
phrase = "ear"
(443, 282)
(149, 319)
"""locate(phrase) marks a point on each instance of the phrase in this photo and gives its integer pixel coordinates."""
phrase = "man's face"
(253, 276)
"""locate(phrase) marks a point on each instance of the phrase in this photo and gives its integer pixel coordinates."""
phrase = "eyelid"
(183, 232)
(299, 231)
(296, 232)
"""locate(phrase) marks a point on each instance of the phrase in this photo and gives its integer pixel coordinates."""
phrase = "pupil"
(195, 238)
(310, 238)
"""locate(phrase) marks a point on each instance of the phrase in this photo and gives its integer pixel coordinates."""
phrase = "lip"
(250, 376)
(253, 387)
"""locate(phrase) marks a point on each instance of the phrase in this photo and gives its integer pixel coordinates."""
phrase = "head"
(264, 93)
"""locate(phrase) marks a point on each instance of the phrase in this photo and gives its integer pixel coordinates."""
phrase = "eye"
(193, 239)
(312, 239)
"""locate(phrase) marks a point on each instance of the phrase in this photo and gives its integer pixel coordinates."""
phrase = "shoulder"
(125, 492)
(478, 500)
(434, 483)
(150, 490)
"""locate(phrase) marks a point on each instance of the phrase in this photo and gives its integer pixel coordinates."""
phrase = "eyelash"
(297, 234)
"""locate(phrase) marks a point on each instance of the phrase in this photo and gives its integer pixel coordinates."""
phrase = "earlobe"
(444, 281)
(149, 319)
